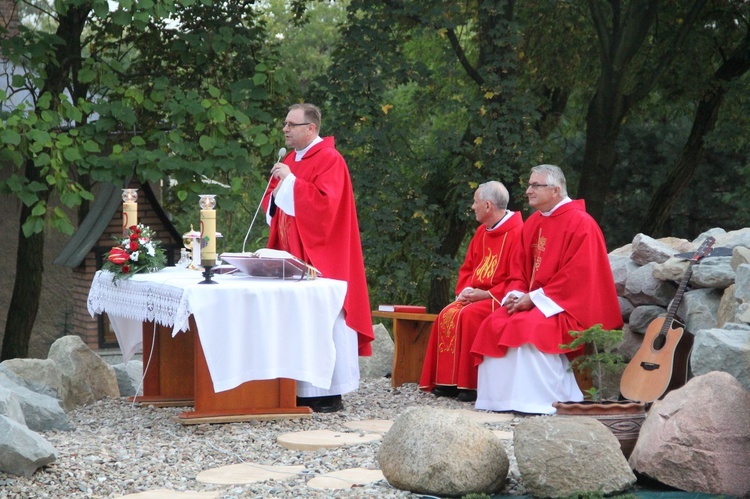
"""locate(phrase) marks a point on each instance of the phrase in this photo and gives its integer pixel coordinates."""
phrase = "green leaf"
(91, 146)
(10, 137)
(33, 225)
(72, 154)
(206, 142)
(86, 75)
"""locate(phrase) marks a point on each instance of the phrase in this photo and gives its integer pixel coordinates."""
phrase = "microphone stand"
(282, 153)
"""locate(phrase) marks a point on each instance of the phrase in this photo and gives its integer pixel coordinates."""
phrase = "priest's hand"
(470, 295)
(519, 304)
(280, 171)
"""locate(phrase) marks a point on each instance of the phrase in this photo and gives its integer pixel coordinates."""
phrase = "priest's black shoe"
(467, 395)
(330, 403)
(445, 391)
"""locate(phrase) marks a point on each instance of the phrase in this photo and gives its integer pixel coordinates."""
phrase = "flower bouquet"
(138, 253)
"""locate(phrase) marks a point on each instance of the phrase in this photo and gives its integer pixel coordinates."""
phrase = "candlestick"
(208, 234)
(129, 210)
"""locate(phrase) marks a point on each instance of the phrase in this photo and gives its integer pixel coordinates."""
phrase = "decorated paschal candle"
(129, 209)
(208, 229)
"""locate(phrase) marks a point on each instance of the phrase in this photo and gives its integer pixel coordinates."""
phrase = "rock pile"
(715, 307)
(36, 393)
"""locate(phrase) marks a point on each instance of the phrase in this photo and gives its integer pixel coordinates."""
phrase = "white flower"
(135, 255)
(150, 249)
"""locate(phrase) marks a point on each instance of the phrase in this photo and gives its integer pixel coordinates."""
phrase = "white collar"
(299, 154)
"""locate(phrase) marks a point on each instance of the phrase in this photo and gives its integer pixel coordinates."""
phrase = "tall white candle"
(129, 209)
(208, 230)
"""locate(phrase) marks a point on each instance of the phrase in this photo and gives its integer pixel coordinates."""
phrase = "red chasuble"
(486, 266)
(324, 231)
(564, 254)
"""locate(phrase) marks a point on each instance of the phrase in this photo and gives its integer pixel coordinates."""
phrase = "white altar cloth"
(249, 328)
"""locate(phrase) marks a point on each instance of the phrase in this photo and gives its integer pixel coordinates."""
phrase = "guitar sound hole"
(659, 342)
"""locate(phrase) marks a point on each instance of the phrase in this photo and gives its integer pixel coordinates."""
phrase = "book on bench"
(411, 309)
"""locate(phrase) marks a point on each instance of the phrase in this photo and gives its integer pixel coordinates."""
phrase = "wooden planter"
(623, 418)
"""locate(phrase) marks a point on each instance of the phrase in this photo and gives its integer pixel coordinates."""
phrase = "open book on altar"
(267, 262)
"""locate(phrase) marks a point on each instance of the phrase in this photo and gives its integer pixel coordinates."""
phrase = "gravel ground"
(116, 449)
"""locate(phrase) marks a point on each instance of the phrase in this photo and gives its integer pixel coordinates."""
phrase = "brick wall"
(83, 324)
(9, 16)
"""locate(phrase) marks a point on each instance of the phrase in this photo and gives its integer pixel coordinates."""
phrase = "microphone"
(282, 153)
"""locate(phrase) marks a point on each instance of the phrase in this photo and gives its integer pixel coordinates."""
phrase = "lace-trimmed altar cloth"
(249, 328)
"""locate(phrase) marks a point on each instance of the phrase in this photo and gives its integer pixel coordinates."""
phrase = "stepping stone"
(172, 494)
(485, 417)
(373, 425)
(323, 439)
(247, 473)
(346, 479)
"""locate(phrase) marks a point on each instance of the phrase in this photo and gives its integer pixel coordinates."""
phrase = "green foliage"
(599, 357)
(185, 91)
(420, 130)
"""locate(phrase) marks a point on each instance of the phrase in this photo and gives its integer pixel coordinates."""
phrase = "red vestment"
(564, 254)
(448, 360)
(324, 231)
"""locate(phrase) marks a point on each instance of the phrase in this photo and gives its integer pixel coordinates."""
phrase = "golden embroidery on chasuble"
(487, 267)
(447, 328)
(538, 248)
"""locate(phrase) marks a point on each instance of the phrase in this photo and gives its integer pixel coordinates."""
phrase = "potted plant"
(623, 417)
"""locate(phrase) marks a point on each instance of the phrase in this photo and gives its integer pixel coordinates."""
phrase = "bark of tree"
(27, 288)
(693, 152)
(621, 36)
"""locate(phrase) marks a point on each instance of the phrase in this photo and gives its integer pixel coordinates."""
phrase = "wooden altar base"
(176, 375)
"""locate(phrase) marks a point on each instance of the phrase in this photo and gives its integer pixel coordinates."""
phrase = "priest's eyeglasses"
(291, 125)
(536, 186)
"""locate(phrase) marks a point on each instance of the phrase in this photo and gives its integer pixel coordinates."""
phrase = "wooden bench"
(411, 333)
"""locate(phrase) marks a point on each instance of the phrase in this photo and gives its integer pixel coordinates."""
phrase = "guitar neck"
(672, 311)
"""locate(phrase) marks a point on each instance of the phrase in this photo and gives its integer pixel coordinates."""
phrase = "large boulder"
(43, 376)
(439, 452)
(380, 363)
(697, 438)
(130, 378)
(569, 455)
(699, 308)
(91, 378)
(41, 412)
(643, 316)
(725, 350)
(22, 451)
(10, 406)
(647, 249)
(643, 288)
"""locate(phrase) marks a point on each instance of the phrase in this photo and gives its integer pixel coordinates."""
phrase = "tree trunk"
(706, 115)
(27, 288)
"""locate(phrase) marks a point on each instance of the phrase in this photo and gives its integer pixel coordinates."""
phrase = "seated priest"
(449, 369)
(560, 281)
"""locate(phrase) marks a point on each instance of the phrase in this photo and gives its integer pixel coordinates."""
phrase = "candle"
(208, 230)
(129, 209)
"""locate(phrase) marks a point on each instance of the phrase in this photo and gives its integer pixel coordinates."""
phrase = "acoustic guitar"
(661, 363)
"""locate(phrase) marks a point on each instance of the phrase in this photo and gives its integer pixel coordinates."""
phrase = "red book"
(411, 309)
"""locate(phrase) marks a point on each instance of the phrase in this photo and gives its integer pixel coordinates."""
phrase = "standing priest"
(560, 281)
(310, 208)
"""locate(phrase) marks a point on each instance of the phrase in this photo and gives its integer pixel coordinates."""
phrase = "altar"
(235, 349)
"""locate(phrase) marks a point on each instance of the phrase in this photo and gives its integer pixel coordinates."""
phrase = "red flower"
(118, 256)
(134, 229)
(133, 236)
(125, 269)
(133, 245)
